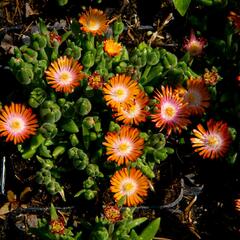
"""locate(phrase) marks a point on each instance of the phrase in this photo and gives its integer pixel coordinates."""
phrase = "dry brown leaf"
(11, 196)
(24, 206)
(4, 3)
(24, 193)
(5, 209)
(7, 43)
(29, 11)
(3, 217)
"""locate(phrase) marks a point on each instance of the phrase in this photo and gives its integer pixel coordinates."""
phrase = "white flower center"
(168, 111)
(16, 125)
(124, 147)
(214, 141)
(132, 111)
(128, 187)
(119, 94)
(65, 77)
(93, 25)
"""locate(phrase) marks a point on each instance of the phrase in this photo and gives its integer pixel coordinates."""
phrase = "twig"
(3, 175)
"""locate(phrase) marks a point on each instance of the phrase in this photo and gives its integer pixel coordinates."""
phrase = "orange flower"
(124, 146)
(171, 112)
(64, 74)
(194, 45)
(129, 184)
(211, 78)
(95, 81)
(120, 90)
(197, 96)
(213, 142)
(57, 226)
(112, 48)
(112, 213)
(94, 21)
(135, 113)
(55, 37)
(17, 123)
(180, 91)
(236, 203)
(235, 19)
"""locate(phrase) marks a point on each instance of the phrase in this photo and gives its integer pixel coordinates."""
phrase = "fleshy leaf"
(181, 6)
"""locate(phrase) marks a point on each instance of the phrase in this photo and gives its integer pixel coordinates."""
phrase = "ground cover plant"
(115, 130)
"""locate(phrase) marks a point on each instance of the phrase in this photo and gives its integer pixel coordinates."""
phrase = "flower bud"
(88, 59)
(84, 106)
(35, 45)
(50, 111)
(51, 187)
(157, 140)
(160, 155)
(88, 122)
(25, 75)
(37, 97)
(79, 157)
(113, 127)
(118, 27)
(88, 183)
(42, 175)
(15, 63)
(92, 170)
(89, 194)
(153, 57)
(48, 130)
(41, 39)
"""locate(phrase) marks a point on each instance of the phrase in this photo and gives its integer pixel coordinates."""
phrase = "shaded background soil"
(210, 186)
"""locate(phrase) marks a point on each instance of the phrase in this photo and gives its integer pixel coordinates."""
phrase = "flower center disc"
(214, 141)
(65, 77)
(120, 94)
(124, 148)
(93, 25)
(16, 125)
(128, 187)
(169, 112)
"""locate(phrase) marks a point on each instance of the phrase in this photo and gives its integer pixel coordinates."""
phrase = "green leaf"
(150, 230)
(135, 222)
(181, 6)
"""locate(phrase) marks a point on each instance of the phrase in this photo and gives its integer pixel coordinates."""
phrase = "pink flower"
(194, 45)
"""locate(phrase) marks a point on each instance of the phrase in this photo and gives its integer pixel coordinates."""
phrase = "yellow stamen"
(170, 111)
(93, 25)
(16, 125)
(128, 187)
(213, 141)
(123, 147)
(65, 76)
(119, 92)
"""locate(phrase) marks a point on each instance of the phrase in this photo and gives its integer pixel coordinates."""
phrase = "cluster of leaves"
(74, 122)
(72, 126)
(102, 229)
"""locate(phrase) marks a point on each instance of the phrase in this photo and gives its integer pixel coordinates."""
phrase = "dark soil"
(215, 184)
